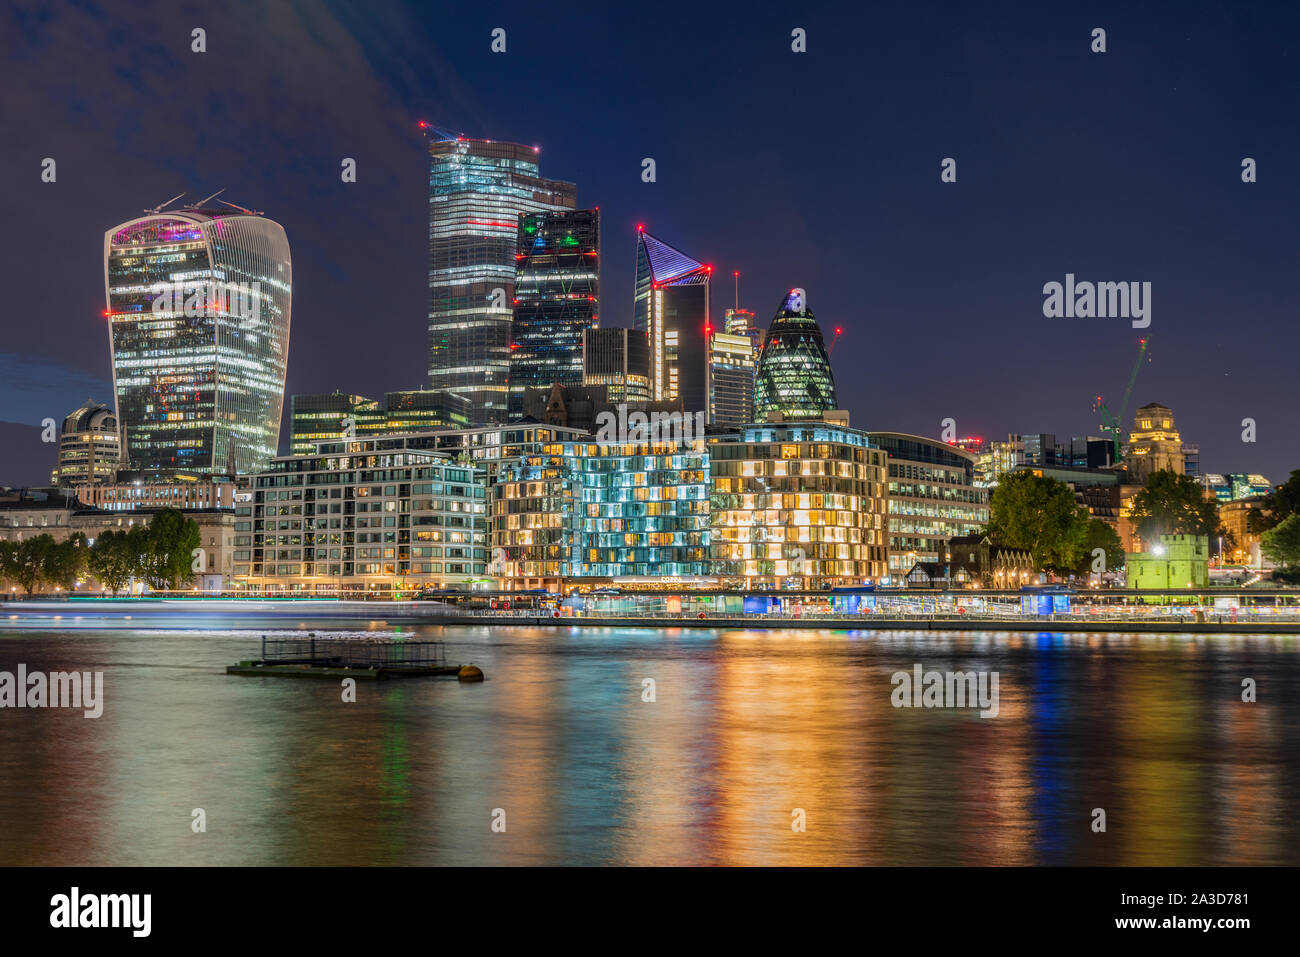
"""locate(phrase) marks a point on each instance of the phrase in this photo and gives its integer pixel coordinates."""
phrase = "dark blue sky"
(818, 170)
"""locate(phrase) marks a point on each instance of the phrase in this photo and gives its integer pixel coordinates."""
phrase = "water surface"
(746, 727)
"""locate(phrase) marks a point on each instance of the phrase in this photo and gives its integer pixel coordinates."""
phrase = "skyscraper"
(620, 359)
(198, 308)
(731, 379)
(672, 307)
(794, 373)
(557, 297)
(478, 189)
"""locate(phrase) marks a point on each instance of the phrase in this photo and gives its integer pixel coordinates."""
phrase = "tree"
(1279, 505)
(1173, 504)
(65, 562)
(1040, 514)
(114, 559)
(172, 539)
(1281, 543)
(29, 561)
(1100, 535)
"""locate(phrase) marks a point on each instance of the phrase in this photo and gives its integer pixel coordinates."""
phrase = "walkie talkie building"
(198, 309)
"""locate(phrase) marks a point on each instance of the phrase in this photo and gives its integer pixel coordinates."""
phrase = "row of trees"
(161, 555)
(1040, 514)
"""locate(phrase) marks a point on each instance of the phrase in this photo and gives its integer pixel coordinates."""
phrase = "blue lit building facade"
(557, 297)
(602, 512)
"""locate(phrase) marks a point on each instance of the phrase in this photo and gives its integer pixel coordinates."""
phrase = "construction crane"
(1112, 424)
(834, 339)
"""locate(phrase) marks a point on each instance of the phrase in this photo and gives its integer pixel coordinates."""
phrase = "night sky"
(819, 170)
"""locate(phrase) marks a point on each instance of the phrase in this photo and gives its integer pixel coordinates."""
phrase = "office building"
(732, 368)
(671, 306)
(478, 190)
(89, 447)
(1154, 445)
(798, 505)
(794, 379)
(932, 498)
(338, 415)
(198, 311)
(618, 359)
(556, 300)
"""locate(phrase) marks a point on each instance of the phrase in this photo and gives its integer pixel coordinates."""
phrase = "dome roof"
(93, 416)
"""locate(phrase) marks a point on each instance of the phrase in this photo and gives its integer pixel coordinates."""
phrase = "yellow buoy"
(470, 673)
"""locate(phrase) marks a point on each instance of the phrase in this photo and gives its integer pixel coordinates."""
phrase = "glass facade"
(200, 383)
(583, 510)
(478, 189)
(731, 380)
(620, 360)
(671, 306)
(557, 296)
(794, 373)
(932, 498)
(319, 418)
(797, 506)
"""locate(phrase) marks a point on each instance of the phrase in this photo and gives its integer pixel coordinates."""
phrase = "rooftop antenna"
(737, 275)
(248, 212)
(200, 203)
(161, 206)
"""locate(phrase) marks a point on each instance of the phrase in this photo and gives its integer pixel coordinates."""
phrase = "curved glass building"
(794, 378)
(198, 308)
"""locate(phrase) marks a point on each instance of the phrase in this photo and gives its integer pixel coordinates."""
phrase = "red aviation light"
(640, 227)
(838, 330)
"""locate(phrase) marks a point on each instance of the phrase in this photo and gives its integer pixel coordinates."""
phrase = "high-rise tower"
(672, 307)
(557, 298)
(198, 308)
(794, 373)
(478, 189)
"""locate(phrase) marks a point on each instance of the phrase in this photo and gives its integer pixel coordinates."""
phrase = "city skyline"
(950, 285)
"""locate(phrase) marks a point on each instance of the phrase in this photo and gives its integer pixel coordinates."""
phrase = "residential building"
(380, 515)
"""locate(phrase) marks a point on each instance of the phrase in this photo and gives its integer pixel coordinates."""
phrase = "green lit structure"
(794, 378)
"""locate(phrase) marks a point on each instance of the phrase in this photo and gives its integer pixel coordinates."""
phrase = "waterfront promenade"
(935, 615)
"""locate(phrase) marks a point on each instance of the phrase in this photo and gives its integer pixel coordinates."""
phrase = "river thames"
(748, 733)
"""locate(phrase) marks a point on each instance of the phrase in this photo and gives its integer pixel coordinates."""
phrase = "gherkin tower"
(794, 374)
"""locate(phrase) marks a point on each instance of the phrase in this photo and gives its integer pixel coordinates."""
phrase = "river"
(759, 747)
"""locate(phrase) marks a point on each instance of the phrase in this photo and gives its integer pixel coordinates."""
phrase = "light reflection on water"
(747, 726)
